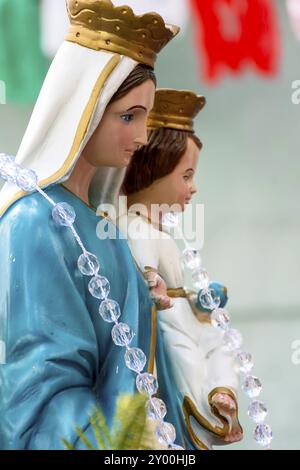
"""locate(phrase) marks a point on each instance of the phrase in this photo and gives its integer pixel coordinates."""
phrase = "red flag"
(236, 33)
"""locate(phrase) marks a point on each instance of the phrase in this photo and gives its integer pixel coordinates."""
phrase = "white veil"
(78, 87)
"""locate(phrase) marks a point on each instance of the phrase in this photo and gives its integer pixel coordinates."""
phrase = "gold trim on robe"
(153, 341)
(180, 292)
(190, 409)
(226, 391)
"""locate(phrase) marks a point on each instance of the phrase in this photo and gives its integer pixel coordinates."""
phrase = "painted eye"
(186, 178)
(127, 117)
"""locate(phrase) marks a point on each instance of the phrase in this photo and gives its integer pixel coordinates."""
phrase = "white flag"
(293, 7)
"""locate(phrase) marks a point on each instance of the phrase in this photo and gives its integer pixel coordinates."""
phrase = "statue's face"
(178, 187)
(122, 129)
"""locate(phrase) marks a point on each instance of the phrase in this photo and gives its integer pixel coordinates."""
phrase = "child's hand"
(158, 290)
(226, 406)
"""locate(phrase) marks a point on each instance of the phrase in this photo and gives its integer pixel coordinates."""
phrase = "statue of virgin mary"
(57, 354)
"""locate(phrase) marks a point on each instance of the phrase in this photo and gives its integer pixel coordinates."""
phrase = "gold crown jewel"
(98, 24)
(175, 109)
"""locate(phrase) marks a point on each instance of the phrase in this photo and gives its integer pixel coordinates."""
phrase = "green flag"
(22, 63)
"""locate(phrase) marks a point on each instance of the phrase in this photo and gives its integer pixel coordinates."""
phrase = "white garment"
(199, 362)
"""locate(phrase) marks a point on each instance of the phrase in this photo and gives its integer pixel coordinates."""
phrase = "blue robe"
(61, 360)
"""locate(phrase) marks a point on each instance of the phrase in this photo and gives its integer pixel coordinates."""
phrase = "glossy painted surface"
(61, 360)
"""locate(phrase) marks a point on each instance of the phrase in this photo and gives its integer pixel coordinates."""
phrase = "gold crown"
(98, 24)
(175, 109)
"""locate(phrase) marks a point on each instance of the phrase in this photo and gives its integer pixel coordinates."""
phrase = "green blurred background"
(248, 179)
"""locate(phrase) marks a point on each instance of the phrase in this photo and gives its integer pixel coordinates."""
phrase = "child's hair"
(157, 159)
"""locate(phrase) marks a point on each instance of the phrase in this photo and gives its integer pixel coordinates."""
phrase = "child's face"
(178, 187)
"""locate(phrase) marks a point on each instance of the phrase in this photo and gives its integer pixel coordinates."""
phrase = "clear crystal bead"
(63, 214)
(263, 434)
(165, 433)
(135, 359)
(220, 319)
(191, 258)
(146, 383)
(110, 310)
(200, 278)
(257, 411)
(175, 447)
(122, 334)
(88, 264)
(252, 386)
(9, 169)
(171, 219)
(26, 179)
(209, 299)
(233, 339)
(244, 362)
(156, 409)
(99, 287)
(4, 159)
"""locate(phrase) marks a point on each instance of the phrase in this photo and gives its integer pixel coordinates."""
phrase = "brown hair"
(140, 74)
(157, 159)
